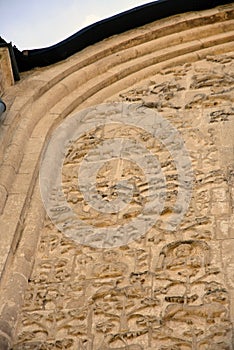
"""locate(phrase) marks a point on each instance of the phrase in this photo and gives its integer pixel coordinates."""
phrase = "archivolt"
(43, 98)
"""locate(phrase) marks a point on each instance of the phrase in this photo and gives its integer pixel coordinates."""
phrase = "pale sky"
(31, 24)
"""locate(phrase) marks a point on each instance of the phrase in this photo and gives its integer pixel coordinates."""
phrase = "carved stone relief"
(165, 290)
(126, 298)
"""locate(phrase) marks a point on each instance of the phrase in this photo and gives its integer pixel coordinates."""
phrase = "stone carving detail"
(165, 291)
(212, 78)
(221, 115)
(120, 299)
(209, 85)
(157, 96)
(202, 302)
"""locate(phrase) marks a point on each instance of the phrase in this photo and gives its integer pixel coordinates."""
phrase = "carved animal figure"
(185, 312)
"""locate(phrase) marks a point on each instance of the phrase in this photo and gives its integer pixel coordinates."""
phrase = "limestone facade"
(163, 290)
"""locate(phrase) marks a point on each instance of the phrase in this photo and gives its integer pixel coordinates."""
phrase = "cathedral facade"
(116, 182)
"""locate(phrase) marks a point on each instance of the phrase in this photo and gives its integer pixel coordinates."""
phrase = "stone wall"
(6, 76)
(165, 289)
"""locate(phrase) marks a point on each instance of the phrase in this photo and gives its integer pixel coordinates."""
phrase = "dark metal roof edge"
(117, 24)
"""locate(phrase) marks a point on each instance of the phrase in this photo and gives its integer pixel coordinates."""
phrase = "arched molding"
(44, 97)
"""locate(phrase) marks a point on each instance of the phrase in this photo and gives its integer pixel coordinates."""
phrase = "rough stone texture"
(163, 291)
(4, 343)
(6, 76)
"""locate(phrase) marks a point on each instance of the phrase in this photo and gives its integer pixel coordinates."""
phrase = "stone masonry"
(161, 290)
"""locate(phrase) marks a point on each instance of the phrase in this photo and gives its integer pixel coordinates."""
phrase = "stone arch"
(46, 96)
